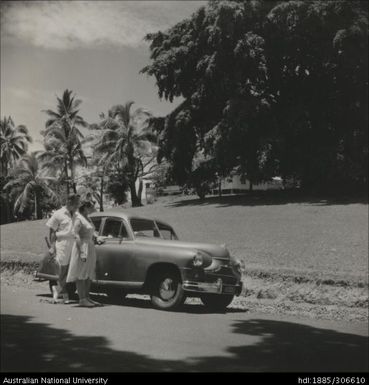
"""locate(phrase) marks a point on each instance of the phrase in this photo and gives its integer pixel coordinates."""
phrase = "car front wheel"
(167, 292)
(217, 302)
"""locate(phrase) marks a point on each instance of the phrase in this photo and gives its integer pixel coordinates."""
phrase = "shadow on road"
(33, 347)
(146, 304)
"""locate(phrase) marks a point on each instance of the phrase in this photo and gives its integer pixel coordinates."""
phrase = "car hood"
(216, 251)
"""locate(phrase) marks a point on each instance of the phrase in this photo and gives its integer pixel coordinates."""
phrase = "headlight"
(239, 266)
(198, 260)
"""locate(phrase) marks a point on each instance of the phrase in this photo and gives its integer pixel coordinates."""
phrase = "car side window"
(124, 232)
(97, 223)
(112, 228)
(144, 228)
(166, 231)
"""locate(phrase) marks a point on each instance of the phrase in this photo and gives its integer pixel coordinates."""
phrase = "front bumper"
(217, 287)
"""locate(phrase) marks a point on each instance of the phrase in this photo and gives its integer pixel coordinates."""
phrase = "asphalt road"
(38, 336)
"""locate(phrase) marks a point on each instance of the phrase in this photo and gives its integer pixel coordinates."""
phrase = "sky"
(95, 48)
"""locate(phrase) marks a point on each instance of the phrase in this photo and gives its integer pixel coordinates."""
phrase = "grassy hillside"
(274, 234)
(268, 235)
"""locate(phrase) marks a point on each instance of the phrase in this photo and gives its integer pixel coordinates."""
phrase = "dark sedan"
(141, 255)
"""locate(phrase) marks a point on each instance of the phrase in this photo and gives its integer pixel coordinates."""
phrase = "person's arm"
(77, 228)
(53, 225)
(52, 238)
(95, 235)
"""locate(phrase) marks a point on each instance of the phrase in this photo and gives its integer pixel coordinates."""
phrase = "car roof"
(124, 215)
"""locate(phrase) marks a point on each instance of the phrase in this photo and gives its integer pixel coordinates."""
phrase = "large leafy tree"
(62, 139)
(28, 183)
(127, 145)
(13, 143)
(318, 70)
(215, 60)
(269, 87)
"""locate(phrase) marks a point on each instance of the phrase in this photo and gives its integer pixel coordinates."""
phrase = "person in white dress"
(83, 258)
(61, 226)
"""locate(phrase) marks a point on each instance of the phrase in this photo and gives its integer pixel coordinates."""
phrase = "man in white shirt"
(62, 239)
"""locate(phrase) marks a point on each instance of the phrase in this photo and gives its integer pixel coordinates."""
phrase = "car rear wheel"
(217, 302)
(167, 292)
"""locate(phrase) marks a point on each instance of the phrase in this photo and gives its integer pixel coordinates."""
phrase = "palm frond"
(94, 127)
(109, 135)
(12, 183)
(104, 146)
(22, 129)
(122, 112)
(52, 114)
(77, 103)
(50, 192)
(109, 124)
(23, 199)
(79, 121)
(57, 133)
(89, 139)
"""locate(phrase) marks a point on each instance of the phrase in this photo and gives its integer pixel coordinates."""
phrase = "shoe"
(85, 303)
(94, 302)
(66, 299)
(56, 302)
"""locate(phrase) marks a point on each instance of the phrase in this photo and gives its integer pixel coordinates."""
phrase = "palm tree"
(28, 182)
(93, 183)
(13, 143)
(127, 141)
(62, 139)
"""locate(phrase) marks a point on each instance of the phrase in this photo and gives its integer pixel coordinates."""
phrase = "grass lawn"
(322, 237)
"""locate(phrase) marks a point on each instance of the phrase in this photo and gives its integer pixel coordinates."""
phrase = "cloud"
(72, 24)
(37, 97)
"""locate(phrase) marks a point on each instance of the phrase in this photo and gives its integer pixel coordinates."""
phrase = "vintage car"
(140, 255)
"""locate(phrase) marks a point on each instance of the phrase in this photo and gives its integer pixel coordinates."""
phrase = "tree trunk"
(140, 188)
(36, 206)
(201, 191)
(136, 202)
(4, 169)
(9, 213)
(71, 166)
(101, 200)
(66, 177)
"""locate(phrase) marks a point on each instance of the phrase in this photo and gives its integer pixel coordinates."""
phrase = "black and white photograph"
(184, 189)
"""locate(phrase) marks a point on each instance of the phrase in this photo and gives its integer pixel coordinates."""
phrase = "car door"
(114, 256)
